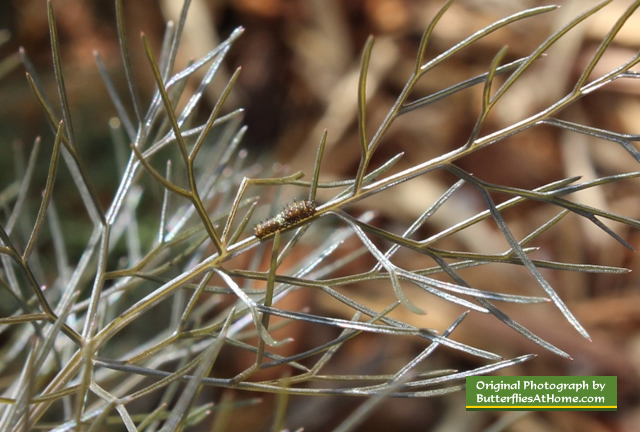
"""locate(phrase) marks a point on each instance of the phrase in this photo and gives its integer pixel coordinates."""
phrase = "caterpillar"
(291, 214)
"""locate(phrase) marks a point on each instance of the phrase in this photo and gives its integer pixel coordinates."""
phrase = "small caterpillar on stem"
(292, 214)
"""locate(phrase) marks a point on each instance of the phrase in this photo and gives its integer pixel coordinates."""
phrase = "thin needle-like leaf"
(24, 187)
(166, 100)
(542, 48)
(251, 305)
(410, 106)
(424, 41)
(175, 43)
(183, 406)
(487, 100)
(46, 197)
(421, 220)
(57, 66)
(115, 98)
(213, 116)
(316, 170)
(155, 174)
(165, 202)
(625, 140)
(362, 112)
(126, 61)
(604, 45)
(66, 112)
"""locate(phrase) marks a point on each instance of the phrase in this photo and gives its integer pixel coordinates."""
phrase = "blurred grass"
(300, 61)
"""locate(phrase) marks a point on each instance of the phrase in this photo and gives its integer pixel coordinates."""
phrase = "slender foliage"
(68, 338)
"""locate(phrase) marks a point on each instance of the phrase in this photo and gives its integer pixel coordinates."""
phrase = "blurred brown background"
(300, 62)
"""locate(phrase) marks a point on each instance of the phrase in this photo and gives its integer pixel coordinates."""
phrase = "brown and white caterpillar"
(292, 214)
